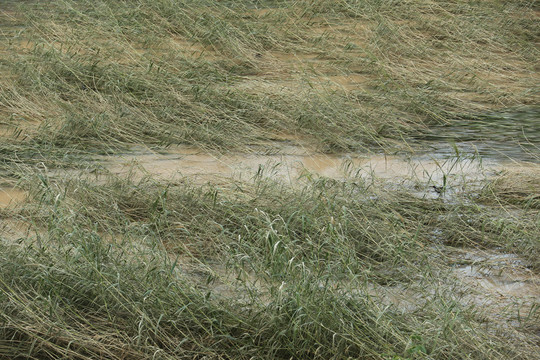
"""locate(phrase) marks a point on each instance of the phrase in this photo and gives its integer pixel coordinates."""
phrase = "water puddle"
(503, 275)
(499, 285)
(501, 281)
(292, 163)
(504, 284)
(10, 196)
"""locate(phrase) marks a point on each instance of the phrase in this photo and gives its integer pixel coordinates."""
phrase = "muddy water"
(499, 275)
(500, 281)
(10, 196)
(294, 162)
(499, 285)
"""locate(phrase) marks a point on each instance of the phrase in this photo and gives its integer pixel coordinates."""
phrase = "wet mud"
(10, 196)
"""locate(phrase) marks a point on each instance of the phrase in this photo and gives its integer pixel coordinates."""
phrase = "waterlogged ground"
(304, 181)
(494, 277)
(424, 175)
(499, 284)
(501, 281)
(452, 160)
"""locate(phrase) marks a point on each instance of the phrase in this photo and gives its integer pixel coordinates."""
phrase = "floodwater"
(462, 153)
(500, 275)
(501, 282)
(499, 285)
(292, 163)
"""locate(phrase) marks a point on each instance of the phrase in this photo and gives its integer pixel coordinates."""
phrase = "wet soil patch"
(10, 196)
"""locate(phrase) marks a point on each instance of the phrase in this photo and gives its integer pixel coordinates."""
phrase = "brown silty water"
(291, 163)
(501, 283)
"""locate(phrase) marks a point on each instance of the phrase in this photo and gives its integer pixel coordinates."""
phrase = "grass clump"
(187, 271)
(519, 187)
(348, 75)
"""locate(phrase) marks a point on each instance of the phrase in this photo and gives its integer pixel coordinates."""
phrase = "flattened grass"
(184, 271)
(224, 74)
(121, 268)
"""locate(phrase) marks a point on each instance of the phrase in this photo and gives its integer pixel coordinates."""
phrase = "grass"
(222, 74)
(188, 272)
(514, 187)
(96, 265)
